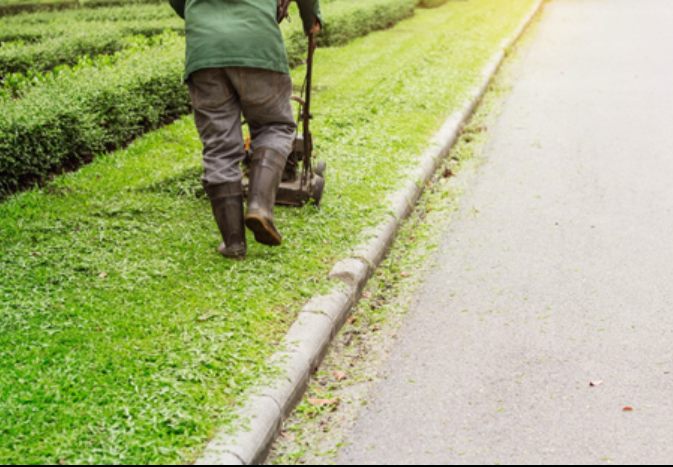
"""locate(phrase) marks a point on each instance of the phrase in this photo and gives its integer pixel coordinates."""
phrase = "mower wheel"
(318, 189)
(320, 169)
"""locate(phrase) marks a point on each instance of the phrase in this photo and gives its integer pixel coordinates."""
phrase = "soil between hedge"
(124, 338)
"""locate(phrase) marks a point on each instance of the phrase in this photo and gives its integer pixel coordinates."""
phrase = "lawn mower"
(303, 179)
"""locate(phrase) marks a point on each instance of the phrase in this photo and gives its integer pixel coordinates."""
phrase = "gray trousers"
(219, 96)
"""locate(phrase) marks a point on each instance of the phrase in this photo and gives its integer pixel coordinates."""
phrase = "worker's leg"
(217, 112)
(265, 101)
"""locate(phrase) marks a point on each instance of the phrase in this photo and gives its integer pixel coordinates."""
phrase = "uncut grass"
(124, 337)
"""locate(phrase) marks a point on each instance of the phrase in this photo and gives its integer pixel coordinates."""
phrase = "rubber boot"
(265, 175)
(227, 202)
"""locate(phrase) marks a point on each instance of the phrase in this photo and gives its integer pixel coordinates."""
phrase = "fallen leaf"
(206, 317)
(340, 375)
(627, 409)
(324, 402)
(595, 384)
(449, 173)
(351, 320)
(103, 275)
(367, 295)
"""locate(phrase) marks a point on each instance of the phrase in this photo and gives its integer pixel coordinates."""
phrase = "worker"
(237, 63)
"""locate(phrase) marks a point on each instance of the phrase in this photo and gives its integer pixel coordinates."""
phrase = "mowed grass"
(124, 337)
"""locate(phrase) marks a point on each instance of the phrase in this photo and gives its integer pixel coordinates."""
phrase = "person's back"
(224, 33)
(236, 63)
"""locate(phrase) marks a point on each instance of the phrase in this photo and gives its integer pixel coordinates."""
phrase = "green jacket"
(237, 33)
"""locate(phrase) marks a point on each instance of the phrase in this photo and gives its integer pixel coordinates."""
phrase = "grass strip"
(124, 337)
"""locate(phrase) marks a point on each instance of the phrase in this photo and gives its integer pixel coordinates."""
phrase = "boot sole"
(263, 231)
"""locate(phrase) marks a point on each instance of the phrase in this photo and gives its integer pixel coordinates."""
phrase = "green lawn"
(124, 337)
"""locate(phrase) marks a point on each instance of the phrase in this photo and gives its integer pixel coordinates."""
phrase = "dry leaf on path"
(448, 173)
(627, 409)
(595, 384)
(340, 375)
(324, 402)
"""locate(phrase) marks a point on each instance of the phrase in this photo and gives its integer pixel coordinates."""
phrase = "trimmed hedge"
(107, 14)
(92, 40)
(431, 3)
(90, 110)
(18, 8)
(346, 20)
(10, 9)
(20, 58)
(32, 33)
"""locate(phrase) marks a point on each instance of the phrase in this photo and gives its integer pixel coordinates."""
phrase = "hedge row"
(92, 109)
(18, 85)
(17, 57)
(115, 13)
(33, 33)
(18, 8)
(89, 111)
(346, 20)
(431, 3)
(20, 58)
(32, 7)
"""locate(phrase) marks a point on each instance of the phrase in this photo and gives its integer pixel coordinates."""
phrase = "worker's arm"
(310, 15)
(179, 7)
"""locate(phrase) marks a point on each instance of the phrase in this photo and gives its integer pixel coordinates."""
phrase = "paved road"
(559, 271)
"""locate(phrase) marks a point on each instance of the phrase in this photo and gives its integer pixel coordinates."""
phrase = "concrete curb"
(322, 318)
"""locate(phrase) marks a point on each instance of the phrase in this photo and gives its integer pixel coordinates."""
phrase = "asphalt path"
(558, 272)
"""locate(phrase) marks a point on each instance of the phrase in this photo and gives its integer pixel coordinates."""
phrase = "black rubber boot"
(265, 175)
(227, 202)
